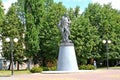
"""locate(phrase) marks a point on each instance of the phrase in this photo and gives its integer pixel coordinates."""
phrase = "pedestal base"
(67, 58)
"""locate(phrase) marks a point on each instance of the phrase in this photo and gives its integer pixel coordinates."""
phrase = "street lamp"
(106, 42)
(11, 48)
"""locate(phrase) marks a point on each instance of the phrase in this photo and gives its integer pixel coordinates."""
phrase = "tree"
(1, 16)
(50, 35)
(41, 19)
(77, 10)
(12, 29)
(33, 21)
(85, 38)
(107, 26)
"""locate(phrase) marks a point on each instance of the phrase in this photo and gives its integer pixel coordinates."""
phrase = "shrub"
(45, 69)
(83, 67)
(86, 67)
(90, 67)
(36, 69)
(49, 68)
(52, 68)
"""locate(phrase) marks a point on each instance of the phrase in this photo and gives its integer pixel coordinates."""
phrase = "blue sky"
(73, 3)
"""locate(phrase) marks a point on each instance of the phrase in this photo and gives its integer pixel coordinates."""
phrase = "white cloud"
(115, 3)
(7, 4)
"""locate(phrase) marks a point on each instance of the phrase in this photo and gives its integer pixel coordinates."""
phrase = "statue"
(64, 27)
(66, 59)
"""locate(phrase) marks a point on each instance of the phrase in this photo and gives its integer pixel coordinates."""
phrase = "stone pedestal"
(67, 58)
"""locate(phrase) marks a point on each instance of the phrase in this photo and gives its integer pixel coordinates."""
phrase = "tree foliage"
(106, 20)
(1, 15)
(49, 37)
(85, 37)
(33, 13)
(12, 28)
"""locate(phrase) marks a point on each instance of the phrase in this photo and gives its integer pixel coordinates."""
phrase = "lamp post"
(11, 48)
(106, 42)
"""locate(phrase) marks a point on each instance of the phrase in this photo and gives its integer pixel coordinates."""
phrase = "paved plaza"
(81, 75)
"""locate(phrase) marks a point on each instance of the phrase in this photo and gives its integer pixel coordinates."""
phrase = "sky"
(73, 3)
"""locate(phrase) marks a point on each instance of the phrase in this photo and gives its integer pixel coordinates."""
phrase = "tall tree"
(12, 29)
(42, 18)
(85, 38)
(105, 19)
(50, 36)
(1, 15)
(33, 13)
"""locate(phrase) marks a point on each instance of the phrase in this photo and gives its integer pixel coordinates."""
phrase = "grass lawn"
(8, 72)
(116, 67)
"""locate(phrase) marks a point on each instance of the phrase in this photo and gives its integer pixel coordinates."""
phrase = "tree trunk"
(44, 62)
(92, 60)
(9, 66)
(18, 68)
